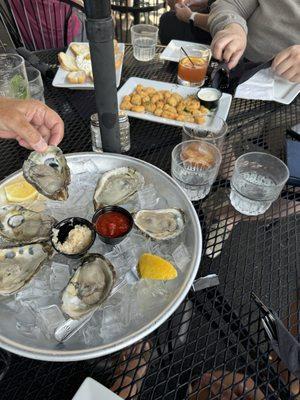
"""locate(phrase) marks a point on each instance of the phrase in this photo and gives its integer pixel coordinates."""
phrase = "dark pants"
(171, 28)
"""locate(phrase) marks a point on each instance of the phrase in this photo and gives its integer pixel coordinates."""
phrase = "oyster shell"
(19, 264)
(90, 285)
(48, 172)
(117, 186)
(161, 224)
(19, 226)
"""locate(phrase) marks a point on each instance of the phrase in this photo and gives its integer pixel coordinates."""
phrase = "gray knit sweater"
(272, 25)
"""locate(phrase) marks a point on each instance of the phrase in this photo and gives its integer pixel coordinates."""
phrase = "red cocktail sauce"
(112, 224)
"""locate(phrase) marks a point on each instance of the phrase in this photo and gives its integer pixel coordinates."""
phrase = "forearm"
(201, 21)
(226, 12)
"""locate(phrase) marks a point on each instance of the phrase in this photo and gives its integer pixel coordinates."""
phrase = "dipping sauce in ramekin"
(112, 223)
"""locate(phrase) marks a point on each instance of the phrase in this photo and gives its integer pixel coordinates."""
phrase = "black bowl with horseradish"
(73, 237)
(209, 97)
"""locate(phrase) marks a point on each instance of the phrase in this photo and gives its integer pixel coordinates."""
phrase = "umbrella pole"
(100, 33)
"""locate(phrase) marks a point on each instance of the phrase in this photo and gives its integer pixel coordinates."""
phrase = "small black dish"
(104, 210)
(65, 226)
(209, 97)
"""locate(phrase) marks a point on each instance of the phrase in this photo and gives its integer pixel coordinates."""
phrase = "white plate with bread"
(75, 69)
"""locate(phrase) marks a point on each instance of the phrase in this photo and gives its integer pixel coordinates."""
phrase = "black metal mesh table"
(214, 329)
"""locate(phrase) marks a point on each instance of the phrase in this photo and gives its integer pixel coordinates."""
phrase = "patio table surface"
(214, 329)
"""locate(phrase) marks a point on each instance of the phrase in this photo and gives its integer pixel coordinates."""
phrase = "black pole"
(100, 32)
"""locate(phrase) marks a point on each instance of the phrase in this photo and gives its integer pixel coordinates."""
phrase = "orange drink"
(192, 69)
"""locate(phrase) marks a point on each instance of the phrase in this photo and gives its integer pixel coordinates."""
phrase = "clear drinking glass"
(192, 67)
(195, 165)
(212, 131)
(257, 181)
(144, 40)
(35, 81)
(13, 78)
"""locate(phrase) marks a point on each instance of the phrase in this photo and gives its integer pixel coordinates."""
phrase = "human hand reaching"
(229, 44)
(182, 12)
(33, 124)
(287, 64)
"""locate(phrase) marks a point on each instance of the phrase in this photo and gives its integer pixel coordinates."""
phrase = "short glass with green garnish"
(13, 77)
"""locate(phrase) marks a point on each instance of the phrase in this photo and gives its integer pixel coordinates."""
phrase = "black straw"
(188, 56)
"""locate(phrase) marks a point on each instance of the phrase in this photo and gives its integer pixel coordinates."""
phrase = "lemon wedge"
(151, 266)
(20, 191)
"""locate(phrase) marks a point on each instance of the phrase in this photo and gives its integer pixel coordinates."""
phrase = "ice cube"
(60, 276)
(25, 320)
(50, 318)
(111, 324)
(92, 335)
(181, 256)
(148, 197)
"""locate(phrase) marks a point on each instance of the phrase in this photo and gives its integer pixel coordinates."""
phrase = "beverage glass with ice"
(144, 40)
(36, 87)
(256, 183)
(195, 165)
(213, 131)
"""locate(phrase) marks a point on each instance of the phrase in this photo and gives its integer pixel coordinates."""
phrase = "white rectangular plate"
(92, 390)
(285, 91)
(172, 51)
(222, 110)
(60, 79)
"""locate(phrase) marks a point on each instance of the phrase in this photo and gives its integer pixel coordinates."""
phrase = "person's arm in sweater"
(228, 26)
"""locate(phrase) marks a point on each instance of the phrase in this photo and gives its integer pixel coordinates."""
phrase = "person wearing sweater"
(259, 30)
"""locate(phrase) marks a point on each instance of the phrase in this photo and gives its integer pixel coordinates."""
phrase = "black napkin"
(287, 348)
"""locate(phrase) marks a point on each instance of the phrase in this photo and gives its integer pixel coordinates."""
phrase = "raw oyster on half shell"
(19, 264)
(161, 224)
(90, 285)
(19, 226)
(117, 186)
(48, 172)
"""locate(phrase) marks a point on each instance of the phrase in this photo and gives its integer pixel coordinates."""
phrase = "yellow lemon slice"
(151, 266)
(20, 191)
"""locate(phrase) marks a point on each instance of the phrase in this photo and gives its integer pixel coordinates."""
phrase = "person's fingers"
(289, 74)
(27, 132)
(235, 58)
(280, 58)
(219, 45)
(7, 135)
(230, 49)
(284, 66)
(295, 78)
(45, 132)
(44, 115)
(23, 143)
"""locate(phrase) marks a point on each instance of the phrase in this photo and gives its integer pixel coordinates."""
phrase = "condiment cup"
(209, 97)
(104, 210)
(65, 226)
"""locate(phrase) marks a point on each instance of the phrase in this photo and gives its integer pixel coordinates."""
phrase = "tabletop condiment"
(96, 134)
(124, 131)
(112, 224)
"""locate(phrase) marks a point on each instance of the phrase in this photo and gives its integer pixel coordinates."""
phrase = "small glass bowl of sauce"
(209, 97)
(112, 224)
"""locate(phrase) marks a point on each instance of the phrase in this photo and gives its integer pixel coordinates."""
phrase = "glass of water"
(144, 39)
(13, 77)
(257, 181)
(213, 131)
(195, 165)
(36, 87)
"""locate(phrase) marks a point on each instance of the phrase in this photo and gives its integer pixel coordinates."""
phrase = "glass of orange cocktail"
(192, 67)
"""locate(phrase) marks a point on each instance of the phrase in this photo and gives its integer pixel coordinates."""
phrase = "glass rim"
(219, 154)
(270, 156)
(17, 56)
(152, 27)
(187, 127)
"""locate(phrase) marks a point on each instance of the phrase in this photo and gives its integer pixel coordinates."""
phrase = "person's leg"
(171, 28)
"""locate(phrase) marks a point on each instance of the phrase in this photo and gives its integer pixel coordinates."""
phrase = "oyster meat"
(117, 186)
(19, 226)
(161, 224)
(48, 172)
(19, 264)
(90, 285)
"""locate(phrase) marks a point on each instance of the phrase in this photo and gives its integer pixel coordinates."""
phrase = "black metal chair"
(132, 12)
(43, 24)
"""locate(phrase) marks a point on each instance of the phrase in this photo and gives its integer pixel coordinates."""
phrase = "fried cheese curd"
(165, 104)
